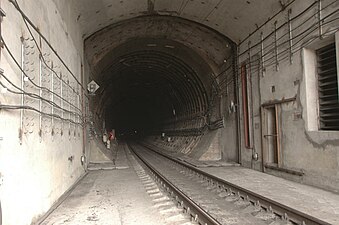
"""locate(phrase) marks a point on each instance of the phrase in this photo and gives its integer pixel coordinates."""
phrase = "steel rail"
(284, 212)
(196, 213)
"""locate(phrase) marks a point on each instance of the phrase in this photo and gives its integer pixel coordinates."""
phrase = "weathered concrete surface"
(117, 196)
(98, 152)
(234, 19)
(313, 201)
(107, 197)
(38, 171)
(303, 146)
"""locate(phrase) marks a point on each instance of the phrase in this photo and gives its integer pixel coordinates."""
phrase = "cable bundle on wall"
(291, 42)
(43, 90)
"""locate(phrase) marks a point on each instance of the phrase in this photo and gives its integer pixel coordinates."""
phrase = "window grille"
(328, 88)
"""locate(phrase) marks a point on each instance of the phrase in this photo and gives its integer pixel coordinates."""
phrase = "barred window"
(328, 88)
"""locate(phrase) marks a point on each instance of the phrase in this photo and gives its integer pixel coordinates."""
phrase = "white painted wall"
(37, 172)
(304, 147)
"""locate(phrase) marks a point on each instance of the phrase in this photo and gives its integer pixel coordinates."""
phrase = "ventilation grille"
(328, 88)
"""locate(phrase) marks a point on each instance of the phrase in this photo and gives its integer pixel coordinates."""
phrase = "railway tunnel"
(166, 80)
(245, 91)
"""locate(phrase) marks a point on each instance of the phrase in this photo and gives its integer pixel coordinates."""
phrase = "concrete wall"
(307, 154)
(38, 171)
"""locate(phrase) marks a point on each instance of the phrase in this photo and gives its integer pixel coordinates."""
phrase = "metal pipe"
(40, 95)
(84, 116)
(276, 46)
(275, 102)
(262, 55)
(320, 22)
(52, 98)
(62, 103)
(236, 93)
(22, 88)
(252, 142)
(69, 94)
(290, 35)
(78, 120)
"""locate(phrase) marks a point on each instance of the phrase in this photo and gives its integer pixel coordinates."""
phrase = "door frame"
(264, 134)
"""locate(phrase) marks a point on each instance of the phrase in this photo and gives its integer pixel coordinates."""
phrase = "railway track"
(208, 200)
(159, 194)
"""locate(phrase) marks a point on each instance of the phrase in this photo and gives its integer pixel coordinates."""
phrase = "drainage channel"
(163, 190)
(226, 202)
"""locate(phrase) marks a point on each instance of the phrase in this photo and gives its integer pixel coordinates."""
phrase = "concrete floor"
(108, 196)
(309, 200)
(118, 196)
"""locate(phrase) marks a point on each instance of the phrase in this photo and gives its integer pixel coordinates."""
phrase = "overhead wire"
(269, 19)
(291, 20)
(37, 86)
(27, 20)
(36, 96)
(13, 107)
(41, 55)
(283, 55)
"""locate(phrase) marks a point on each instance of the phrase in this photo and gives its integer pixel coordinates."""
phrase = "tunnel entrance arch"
(162, 74)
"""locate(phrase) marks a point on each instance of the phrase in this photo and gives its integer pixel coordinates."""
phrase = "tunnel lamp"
(151, 45)
(231, 108)
(174, 112)
(162, 134)
(82, 159)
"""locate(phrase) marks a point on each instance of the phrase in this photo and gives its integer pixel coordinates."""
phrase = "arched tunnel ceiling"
(154, 68)
(151, 80)
(233, 18)
(158, 61)
(210, 45)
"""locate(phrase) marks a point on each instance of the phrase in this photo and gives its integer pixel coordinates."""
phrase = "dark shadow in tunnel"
(160, 79)
(152, 85)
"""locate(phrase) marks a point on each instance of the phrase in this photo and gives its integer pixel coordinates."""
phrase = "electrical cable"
(291, 20)
(17, 107)
(39, 87)
(33, 95)
(271, 18)
(257, 68)
(26, 19)
(44, 60)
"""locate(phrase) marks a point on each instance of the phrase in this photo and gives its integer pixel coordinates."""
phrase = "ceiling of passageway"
(156, 60)
(233, 18)
(146, 81)
(152, 69)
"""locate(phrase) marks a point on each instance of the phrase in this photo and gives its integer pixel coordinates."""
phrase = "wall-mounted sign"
(92, 87)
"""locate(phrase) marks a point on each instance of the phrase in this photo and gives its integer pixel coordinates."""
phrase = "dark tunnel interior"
(153, 82)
